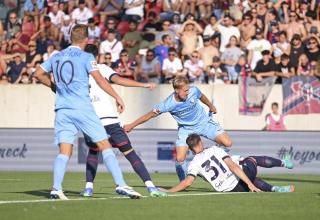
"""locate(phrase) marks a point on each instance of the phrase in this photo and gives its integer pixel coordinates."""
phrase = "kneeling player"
(216, 166)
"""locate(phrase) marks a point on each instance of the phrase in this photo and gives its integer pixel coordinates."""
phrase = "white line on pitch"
(115, 197)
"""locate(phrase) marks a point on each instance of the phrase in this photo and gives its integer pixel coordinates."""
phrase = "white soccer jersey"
(209, 164)
(103, 103)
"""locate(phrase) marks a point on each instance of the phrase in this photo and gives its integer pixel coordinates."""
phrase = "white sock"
(149, 183)
(89, 185)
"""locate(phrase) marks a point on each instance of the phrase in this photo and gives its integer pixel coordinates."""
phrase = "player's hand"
(253, 188)
(150, 86)
(127, 128)
(213, 110)
(120, 105)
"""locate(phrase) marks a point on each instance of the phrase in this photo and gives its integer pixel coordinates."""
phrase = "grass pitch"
(24, 195)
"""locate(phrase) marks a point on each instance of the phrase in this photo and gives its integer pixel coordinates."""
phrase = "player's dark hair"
(92, 48)
(193, 140)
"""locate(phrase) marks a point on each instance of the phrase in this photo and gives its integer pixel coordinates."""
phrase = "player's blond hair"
(79, 33)
(180, 81)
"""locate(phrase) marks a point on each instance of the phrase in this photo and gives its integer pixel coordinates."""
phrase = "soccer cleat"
(58, 194)
(87, 192)
(155, 192)
(283, 189)
(128, 191)
(287, 162)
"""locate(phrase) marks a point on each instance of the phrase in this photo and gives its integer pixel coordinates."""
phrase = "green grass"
(302, 204)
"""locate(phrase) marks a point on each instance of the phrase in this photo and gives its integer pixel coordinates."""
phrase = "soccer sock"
(267, 162)
(112, 165)
(59, 170)
(261, 184)
(138, 166)
(181, 169)
(92, 165)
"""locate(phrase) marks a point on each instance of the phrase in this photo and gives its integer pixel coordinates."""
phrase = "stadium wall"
(33, 150)
(31, 106)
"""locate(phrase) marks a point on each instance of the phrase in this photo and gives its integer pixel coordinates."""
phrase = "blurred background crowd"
(210, 41)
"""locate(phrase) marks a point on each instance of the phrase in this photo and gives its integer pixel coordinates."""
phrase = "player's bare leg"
(224, 139)
(60, 165)
(181, 164)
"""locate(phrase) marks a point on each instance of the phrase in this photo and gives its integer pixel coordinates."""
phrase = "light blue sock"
(112, 165)
(59, 170)
(181, 169)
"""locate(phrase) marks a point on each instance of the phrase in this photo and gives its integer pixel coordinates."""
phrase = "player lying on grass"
(71, 68)
(107, 112)
(184, 105)
(217, 167)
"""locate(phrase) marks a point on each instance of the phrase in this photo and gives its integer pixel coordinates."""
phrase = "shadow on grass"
(290, 180)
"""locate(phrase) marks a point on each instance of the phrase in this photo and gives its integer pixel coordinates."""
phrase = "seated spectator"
(123, 66)
(149, 70)
(294, 27)
(133, 10)
(189, 37)
(4, 79)
(215, 73)
(175, 25)
(274, 120)
(194, 68)
(281, 47)
(227, 29)
(41, 37)
(51, 50)
(81, 14)
(305, 68)
(153, 25)
(51, 30)
(172, 66)
(297, 48)
(169, 8)
(204, 8)
(313, 24)
(266, 67)
(111, 45)
(161, 51)
(247, 30)
(188, 6)
(313, 50)
(207, 52)
(132, 39)
(165, 31)
(12, 26)
(256, 46)
(65, 32)
(93, 31)
(33, 7)
(32, 57)
(19, 43)
(111, 24)
(110, 8)
(230, 58)
(56, 15)
(17, 67)
(108, 60)
(29, 26)
(210, 28)
(285, 68)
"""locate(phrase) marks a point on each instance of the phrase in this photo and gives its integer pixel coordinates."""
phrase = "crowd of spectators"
(210, 41)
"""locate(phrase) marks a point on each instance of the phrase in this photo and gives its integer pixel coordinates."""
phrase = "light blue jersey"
(71, 68)
(190, 116)
(74, 111)
(186, 113)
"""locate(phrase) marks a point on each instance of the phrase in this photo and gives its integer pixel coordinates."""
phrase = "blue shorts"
(69, 121)
(209, 130)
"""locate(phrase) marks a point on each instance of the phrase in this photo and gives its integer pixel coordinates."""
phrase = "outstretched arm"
(235, 168)
(131, 83)
(206, 101)
(141, 120)
(182, 185)
(103, 84)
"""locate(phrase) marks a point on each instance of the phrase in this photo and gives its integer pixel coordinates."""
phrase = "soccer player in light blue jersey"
(183, 104)
(71, 68)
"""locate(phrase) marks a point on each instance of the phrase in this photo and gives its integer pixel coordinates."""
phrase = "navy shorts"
(118, 138)
(249, 167)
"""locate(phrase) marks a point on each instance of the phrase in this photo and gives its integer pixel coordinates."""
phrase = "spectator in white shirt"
(210, 28)
(81, 14)
(227, 30)
(172, 66)
(111, 45)
(56, 15)
(133, 10)
(194, 68)
(93, 30)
